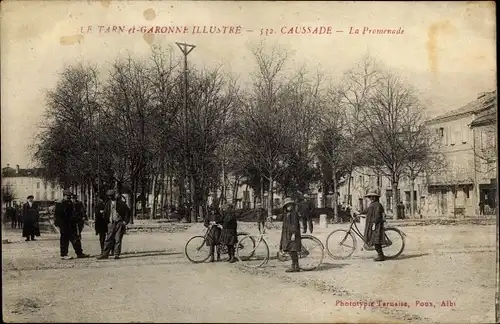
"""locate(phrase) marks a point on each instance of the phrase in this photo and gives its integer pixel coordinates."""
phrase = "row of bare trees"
(286, 130)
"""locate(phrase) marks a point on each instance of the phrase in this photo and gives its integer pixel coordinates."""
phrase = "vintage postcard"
(249, 161)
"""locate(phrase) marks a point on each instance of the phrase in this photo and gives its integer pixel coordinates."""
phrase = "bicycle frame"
(354, 229)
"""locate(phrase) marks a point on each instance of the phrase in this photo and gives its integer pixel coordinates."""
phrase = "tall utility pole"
(186, 49)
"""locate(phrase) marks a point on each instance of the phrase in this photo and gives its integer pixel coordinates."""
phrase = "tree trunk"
(153, 191)
(412, 194)
(395, 189)
(134, 200)
(162, 192)
(349, 198)
(194, 211)
(270, 197)
(335, 198)
(170, 184)
(262, 190)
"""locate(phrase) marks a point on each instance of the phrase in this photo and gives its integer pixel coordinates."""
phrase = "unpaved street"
(154, 282)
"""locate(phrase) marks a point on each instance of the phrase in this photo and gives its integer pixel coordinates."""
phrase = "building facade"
(25, 182)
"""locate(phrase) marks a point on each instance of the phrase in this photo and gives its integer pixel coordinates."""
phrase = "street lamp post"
(186, 49)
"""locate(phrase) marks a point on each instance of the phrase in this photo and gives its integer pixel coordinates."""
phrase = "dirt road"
(454, 265)
(155, 286)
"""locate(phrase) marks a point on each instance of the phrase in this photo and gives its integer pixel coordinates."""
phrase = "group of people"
(14, 214)
(111, 219)
(26, 217)
(293, 213)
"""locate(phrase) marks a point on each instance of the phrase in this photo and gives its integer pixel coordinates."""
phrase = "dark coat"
(291, 226)
(229, 233)
(31, 218)
(306, 208)
(64, 218)
(374, 230)
(101, 223)
(213, 236)
(121, 208)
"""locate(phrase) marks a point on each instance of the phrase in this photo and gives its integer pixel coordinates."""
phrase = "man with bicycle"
(374, 228)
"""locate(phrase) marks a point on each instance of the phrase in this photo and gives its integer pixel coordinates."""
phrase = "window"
(53, 195)
(441, 132)
(466, 192)
(38, 185)
(37, 195)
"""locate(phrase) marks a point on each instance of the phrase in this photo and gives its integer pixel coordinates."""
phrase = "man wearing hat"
(374, 230)
(306, 208)
(290, 234)
(68, 227)
(118, 213)
(30, 217)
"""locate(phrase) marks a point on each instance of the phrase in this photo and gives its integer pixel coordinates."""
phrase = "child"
(290, 234)
(229, 233)
(214, 217)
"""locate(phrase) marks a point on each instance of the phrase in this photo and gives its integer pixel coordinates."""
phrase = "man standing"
(101, 223)
(68, 227)
(79, 214)
(261, 217)
(306, 208)
(30, 218)
(117, 211)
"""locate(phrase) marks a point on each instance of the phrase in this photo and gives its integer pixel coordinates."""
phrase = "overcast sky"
(447, 49)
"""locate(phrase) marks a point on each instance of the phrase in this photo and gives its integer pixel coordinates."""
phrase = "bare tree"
(391, 111)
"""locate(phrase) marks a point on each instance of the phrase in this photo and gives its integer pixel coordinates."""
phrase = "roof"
(11, 172)
(487, 117)
(476, 106)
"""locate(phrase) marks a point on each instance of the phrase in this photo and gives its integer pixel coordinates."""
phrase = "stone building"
(25, 182)
(484, 130)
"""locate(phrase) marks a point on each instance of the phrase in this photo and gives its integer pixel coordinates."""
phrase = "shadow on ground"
(329, 266)
(138, 254)
(409, 256)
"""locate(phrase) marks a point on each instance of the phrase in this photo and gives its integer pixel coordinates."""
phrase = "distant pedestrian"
(374, 227)
(12, 214)
(214, 218)
(101, 223)
(118, 213)
(19, 214)
(290, 233)
(68, 228)
(482, 204)
(229, 233)
(30, 215)
(261, 217)
(79, 214)
(306, 208)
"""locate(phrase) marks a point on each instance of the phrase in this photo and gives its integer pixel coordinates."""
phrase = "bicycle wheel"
(246, 249)
(311, 253)
(259, 255)
(395, 242)
(340, 244)
(196, 250)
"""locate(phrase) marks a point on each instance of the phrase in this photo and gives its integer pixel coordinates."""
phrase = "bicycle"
(203, 251)
(282, 256)
(348, 240)
(306, 252)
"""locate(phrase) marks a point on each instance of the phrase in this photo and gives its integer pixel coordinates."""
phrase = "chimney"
(8, 165)
(17, 169)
